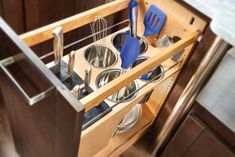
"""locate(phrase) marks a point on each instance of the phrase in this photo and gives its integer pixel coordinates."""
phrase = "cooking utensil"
(108, 75)
(133, 17)
(148, 76)
(76, 91)
(158, 71)
(167, 41)
(71, 63)
(87, 79)
(58, 47)
(164, 42)
(130, 119)
(99, 33)
(119, 38)
(138, 61)
(104, 80)
(129, 53)
(144, 77)
(177, 56)
(154, 20)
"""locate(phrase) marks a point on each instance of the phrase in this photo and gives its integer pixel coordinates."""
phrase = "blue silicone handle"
(133, 5)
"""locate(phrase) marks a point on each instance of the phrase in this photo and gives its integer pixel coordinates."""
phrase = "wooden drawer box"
(49, 124)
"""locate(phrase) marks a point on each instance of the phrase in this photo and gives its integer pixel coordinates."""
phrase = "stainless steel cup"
(119, 38)
(156, 74)
(107, 76)
(109, 57)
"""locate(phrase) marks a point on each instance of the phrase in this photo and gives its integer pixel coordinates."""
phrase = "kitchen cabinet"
(193, 139)
(216, 98)
(1, 11)
(42, 126)
(53, 121)
(208, 129)
(13, 13)
(196, 137)
(25, 15)
(183, 79)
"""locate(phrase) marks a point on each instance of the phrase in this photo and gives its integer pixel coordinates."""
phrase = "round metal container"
(157, 72)
(107, 57)
(119, 38)
(107, 76)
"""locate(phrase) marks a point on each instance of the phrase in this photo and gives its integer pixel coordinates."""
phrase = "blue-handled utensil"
(154, 20)
(144, 77)
(131, 46)
(133, 17)
(129, 52)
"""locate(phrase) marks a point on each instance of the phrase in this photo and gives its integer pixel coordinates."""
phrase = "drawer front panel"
(42, 119)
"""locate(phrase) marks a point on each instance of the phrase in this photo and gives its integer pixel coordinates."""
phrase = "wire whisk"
(99, 33)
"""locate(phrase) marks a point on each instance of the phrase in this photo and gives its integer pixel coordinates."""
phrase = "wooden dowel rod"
(44, 33)
(102, 93)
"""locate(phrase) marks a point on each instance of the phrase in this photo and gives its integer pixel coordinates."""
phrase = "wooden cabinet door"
(45, 118)
(193, 139)
(39, 13)
(13, 13)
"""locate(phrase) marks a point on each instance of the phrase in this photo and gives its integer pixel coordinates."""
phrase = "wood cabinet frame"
(189, 34)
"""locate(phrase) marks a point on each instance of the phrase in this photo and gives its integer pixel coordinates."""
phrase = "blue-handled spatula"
(133, 17)
(154, 20)
(129, 53)
(131, 46)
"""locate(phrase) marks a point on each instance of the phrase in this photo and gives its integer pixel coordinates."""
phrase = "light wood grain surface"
(44, 33)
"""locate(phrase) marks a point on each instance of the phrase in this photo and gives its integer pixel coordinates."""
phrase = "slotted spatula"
(154, 20)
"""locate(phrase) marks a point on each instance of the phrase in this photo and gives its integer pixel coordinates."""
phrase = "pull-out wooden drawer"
(49, 124)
